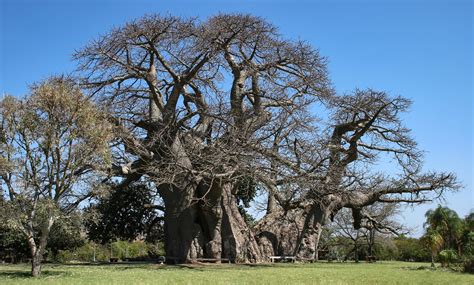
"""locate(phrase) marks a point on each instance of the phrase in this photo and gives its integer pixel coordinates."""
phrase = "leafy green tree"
(468, 243)
(124, 213)
(453, 236)
(66, 234)
(448, 224)
(245, 191)
(410, 249)
(13, 245)
(433, 241)
(52, 143)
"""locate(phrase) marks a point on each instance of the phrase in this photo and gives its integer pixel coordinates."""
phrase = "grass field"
(316, 273)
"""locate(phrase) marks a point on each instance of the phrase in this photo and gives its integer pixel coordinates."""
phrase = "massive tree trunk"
(308, 240)
(204, 222)
(296, 232)
(181, 231)
(210, 219)
(277, 232)
(238, 240)
(292, 233)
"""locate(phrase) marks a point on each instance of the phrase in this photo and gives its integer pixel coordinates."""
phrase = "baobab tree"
(191, 100)
(204, 109)
(52, 142)
(365, 127)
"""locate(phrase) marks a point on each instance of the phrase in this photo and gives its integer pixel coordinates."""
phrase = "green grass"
(316, 273)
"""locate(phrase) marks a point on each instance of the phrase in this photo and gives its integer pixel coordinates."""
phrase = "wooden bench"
(370, 258)
(283, 258)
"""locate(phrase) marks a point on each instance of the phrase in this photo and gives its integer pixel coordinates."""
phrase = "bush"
(122, 250)
(468, 265)
(156, 249)
(85, 253)
(447, 257)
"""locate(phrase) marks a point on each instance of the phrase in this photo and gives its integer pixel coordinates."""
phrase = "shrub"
(122, 250)
(447, 257)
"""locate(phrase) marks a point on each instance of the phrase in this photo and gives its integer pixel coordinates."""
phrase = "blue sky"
(422, 50)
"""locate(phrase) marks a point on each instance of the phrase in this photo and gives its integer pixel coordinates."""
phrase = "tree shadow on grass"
(265, 265)
(221, 266)
(14, 274)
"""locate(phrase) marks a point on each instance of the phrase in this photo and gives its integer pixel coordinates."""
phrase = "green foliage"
(451, 235)
(123, 214)
(156, 249)
(410, 249)
(85, 253)
(385, 249)
(447, 257)
(447, 224)
(123, 250)
(432, 240)
(66, 234)
(249, 219)
(13, 245)
(246, 190)
(468, 248)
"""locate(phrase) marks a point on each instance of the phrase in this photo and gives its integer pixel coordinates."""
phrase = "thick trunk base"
(239, 244)
(210, 226)
(277, 233)
(294, 233)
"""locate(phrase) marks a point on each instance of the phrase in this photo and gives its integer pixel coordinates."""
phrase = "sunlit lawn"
(316, 273)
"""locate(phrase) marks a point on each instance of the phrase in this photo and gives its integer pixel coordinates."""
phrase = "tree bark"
(36, 264)
(182, 237)
(308, 240)
(277, 232)
(239, 243)
(271, 203)
(210, 219)
(296, 232)
(37, 252)
(204, 222)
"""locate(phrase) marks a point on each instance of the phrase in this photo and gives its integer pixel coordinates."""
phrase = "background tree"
(125, 213)
(450, 236)
(377, 225)
(67, 233)
(411, 249)
(433, 241)
(448, 224)
(468, 243)
(13, 244)
(51, 143)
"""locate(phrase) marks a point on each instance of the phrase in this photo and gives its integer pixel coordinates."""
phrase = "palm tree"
(448, 224)
(433, 240)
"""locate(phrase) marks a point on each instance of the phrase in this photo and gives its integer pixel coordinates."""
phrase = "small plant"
(447, 257)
